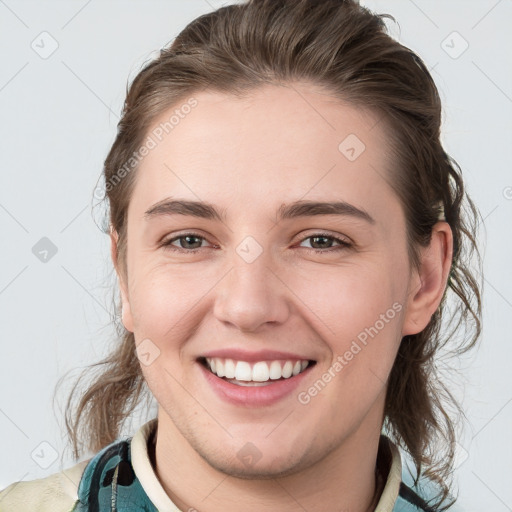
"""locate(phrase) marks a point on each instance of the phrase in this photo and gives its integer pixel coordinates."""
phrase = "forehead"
(278, 141)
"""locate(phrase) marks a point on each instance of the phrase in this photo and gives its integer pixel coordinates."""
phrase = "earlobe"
(126, 317)
(126, 314)
(428, 284)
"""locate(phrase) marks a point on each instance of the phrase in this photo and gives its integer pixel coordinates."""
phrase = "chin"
(257, 470)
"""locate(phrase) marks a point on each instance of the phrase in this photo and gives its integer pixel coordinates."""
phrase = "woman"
(285, 226)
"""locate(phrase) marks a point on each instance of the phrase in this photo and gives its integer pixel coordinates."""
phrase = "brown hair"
(345, 49)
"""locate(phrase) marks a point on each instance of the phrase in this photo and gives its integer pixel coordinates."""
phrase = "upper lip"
(261, 355)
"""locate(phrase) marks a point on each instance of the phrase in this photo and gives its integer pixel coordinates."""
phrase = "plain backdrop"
(63, 75)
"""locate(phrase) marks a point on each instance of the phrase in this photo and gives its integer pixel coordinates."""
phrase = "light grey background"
(58, 119)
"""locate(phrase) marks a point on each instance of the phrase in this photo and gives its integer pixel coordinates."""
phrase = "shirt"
(121, 478)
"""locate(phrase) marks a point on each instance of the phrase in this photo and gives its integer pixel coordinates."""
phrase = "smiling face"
(248, 277)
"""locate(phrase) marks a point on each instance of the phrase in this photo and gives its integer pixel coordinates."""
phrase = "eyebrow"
(301, 208)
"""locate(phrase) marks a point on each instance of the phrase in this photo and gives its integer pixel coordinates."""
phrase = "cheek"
(166, 303)
(352, 382)
(344, 301)
(358, 313)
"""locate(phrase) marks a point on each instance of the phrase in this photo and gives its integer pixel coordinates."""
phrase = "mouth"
(257, 373)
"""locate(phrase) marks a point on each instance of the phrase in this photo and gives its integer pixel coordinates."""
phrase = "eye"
(324, 243)
(321, 242)
(188, 242)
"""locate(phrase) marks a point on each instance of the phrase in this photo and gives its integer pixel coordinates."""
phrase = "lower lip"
(253, 396)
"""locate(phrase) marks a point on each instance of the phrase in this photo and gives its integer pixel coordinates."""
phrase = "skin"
(248, 157)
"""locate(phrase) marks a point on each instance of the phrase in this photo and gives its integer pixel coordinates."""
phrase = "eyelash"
(343, 244)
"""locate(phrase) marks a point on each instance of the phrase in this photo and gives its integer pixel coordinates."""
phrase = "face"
(260, 283)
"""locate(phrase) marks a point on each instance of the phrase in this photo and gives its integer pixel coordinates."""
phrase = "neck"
(343, 480)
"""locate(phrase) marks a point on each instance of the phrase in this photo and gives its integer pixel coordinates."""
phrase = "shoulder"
(105, 480)
(54, 493)
(69, 489)
(410, 500)
(420, 498)
(401, 492)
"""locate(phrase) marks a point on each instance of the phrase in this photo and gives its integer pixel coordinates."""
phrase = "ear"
(427, 286)
(126, 315)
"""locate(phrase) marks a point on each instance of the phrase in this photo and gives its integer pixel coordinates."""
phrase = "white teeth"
(261, 371)
(243, 371)
(229, 369)
(275, 370)
(219, 368)
(287, 369)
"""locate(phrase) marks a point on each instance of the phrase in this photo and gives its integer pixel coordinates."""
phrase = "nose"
(251, 295)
